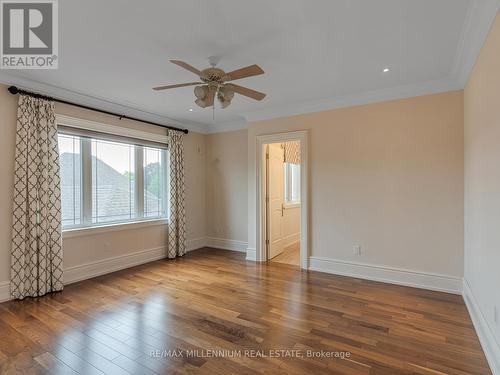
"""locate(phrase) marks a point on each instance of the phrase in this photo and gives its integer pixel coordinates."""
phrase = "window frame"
(139, 219)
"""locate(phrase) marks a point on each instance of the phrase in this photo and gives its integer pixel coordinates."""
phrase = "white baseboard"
(4, 291)
(251, 254)
(218, 243)
(104, 266)
(399, 276)
(98, 268)
(490, 346)
(196, 243)
(226, 244)
(221, 243)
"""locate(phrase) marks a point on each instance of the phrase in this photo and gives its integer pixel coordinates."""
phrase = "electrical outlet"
(356, 249)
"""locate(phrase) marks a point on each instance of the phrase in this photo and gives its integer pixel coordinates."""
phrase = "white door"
(276, 199)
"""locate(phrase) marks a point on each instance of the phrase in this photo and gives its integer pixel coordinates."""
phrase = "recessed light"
(386, 70)
(190, 109)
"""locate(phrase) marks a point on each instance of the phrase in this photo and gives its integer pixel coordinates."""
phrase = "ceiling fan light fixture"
(225, 103)
(201, 92)
(224, 97)
(213, 84)
(201, 103)
(226, 93)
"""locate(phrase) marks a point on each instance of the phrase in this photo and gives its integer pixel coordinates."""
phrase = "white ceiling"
(316, 54)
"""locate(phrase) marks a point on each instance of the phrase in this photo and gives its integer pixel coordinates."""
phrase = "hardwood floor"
(172, 317)
(290, 255)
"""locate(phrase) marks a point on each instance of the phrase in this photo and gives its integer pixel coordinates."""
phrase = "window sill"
(291, 205)
(106, 228)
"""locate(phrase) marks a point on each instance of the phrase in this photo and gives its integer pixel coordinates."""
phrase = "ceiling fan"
(214, 82)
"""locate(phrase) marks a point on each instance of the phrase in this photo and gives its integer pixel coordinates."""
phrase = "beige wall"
(227, 185)
(95, 247)
(195, 166)
(482, 179)
(386, 176)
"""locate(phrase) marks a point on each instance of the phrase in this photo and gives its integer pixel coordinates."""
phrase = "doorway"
(282, 191)
(283, 202)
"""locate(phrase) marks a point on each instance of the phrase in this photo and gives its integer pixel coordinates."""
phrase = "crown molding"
(367, 97)
(392, 93)
(97, 102)
(477, 24)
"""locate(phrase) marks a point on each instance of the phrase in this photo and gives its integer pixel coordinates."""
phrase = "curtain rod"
(15, 90)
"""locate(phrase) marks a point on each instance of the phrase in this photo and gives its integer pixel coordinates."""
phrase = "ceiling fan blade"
(178, 85)
(247, 92)
(210, 97)
(186, 66)
(248, 71)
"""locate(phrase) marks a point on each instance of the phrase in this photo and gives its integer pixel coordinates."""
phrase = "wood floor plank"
(132, 366)
(54, 365)
(212, 312)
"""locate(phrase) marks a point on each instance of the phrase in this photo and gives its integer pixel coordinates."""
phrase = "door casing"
(261, 220)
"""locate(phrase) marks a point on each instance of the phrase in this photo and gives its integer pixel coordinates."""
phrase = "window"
(292, 183)
(113, 181)
(106, 181)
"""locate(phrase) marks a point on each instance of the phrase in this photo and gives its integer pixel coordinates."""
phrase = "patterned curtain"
(177, 220)
(36, 253)
(292, 152)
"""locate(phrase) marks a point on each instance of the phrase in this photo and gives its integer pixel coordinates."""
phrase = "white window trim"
(87, 228)
(111, 227)
(110, 129)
